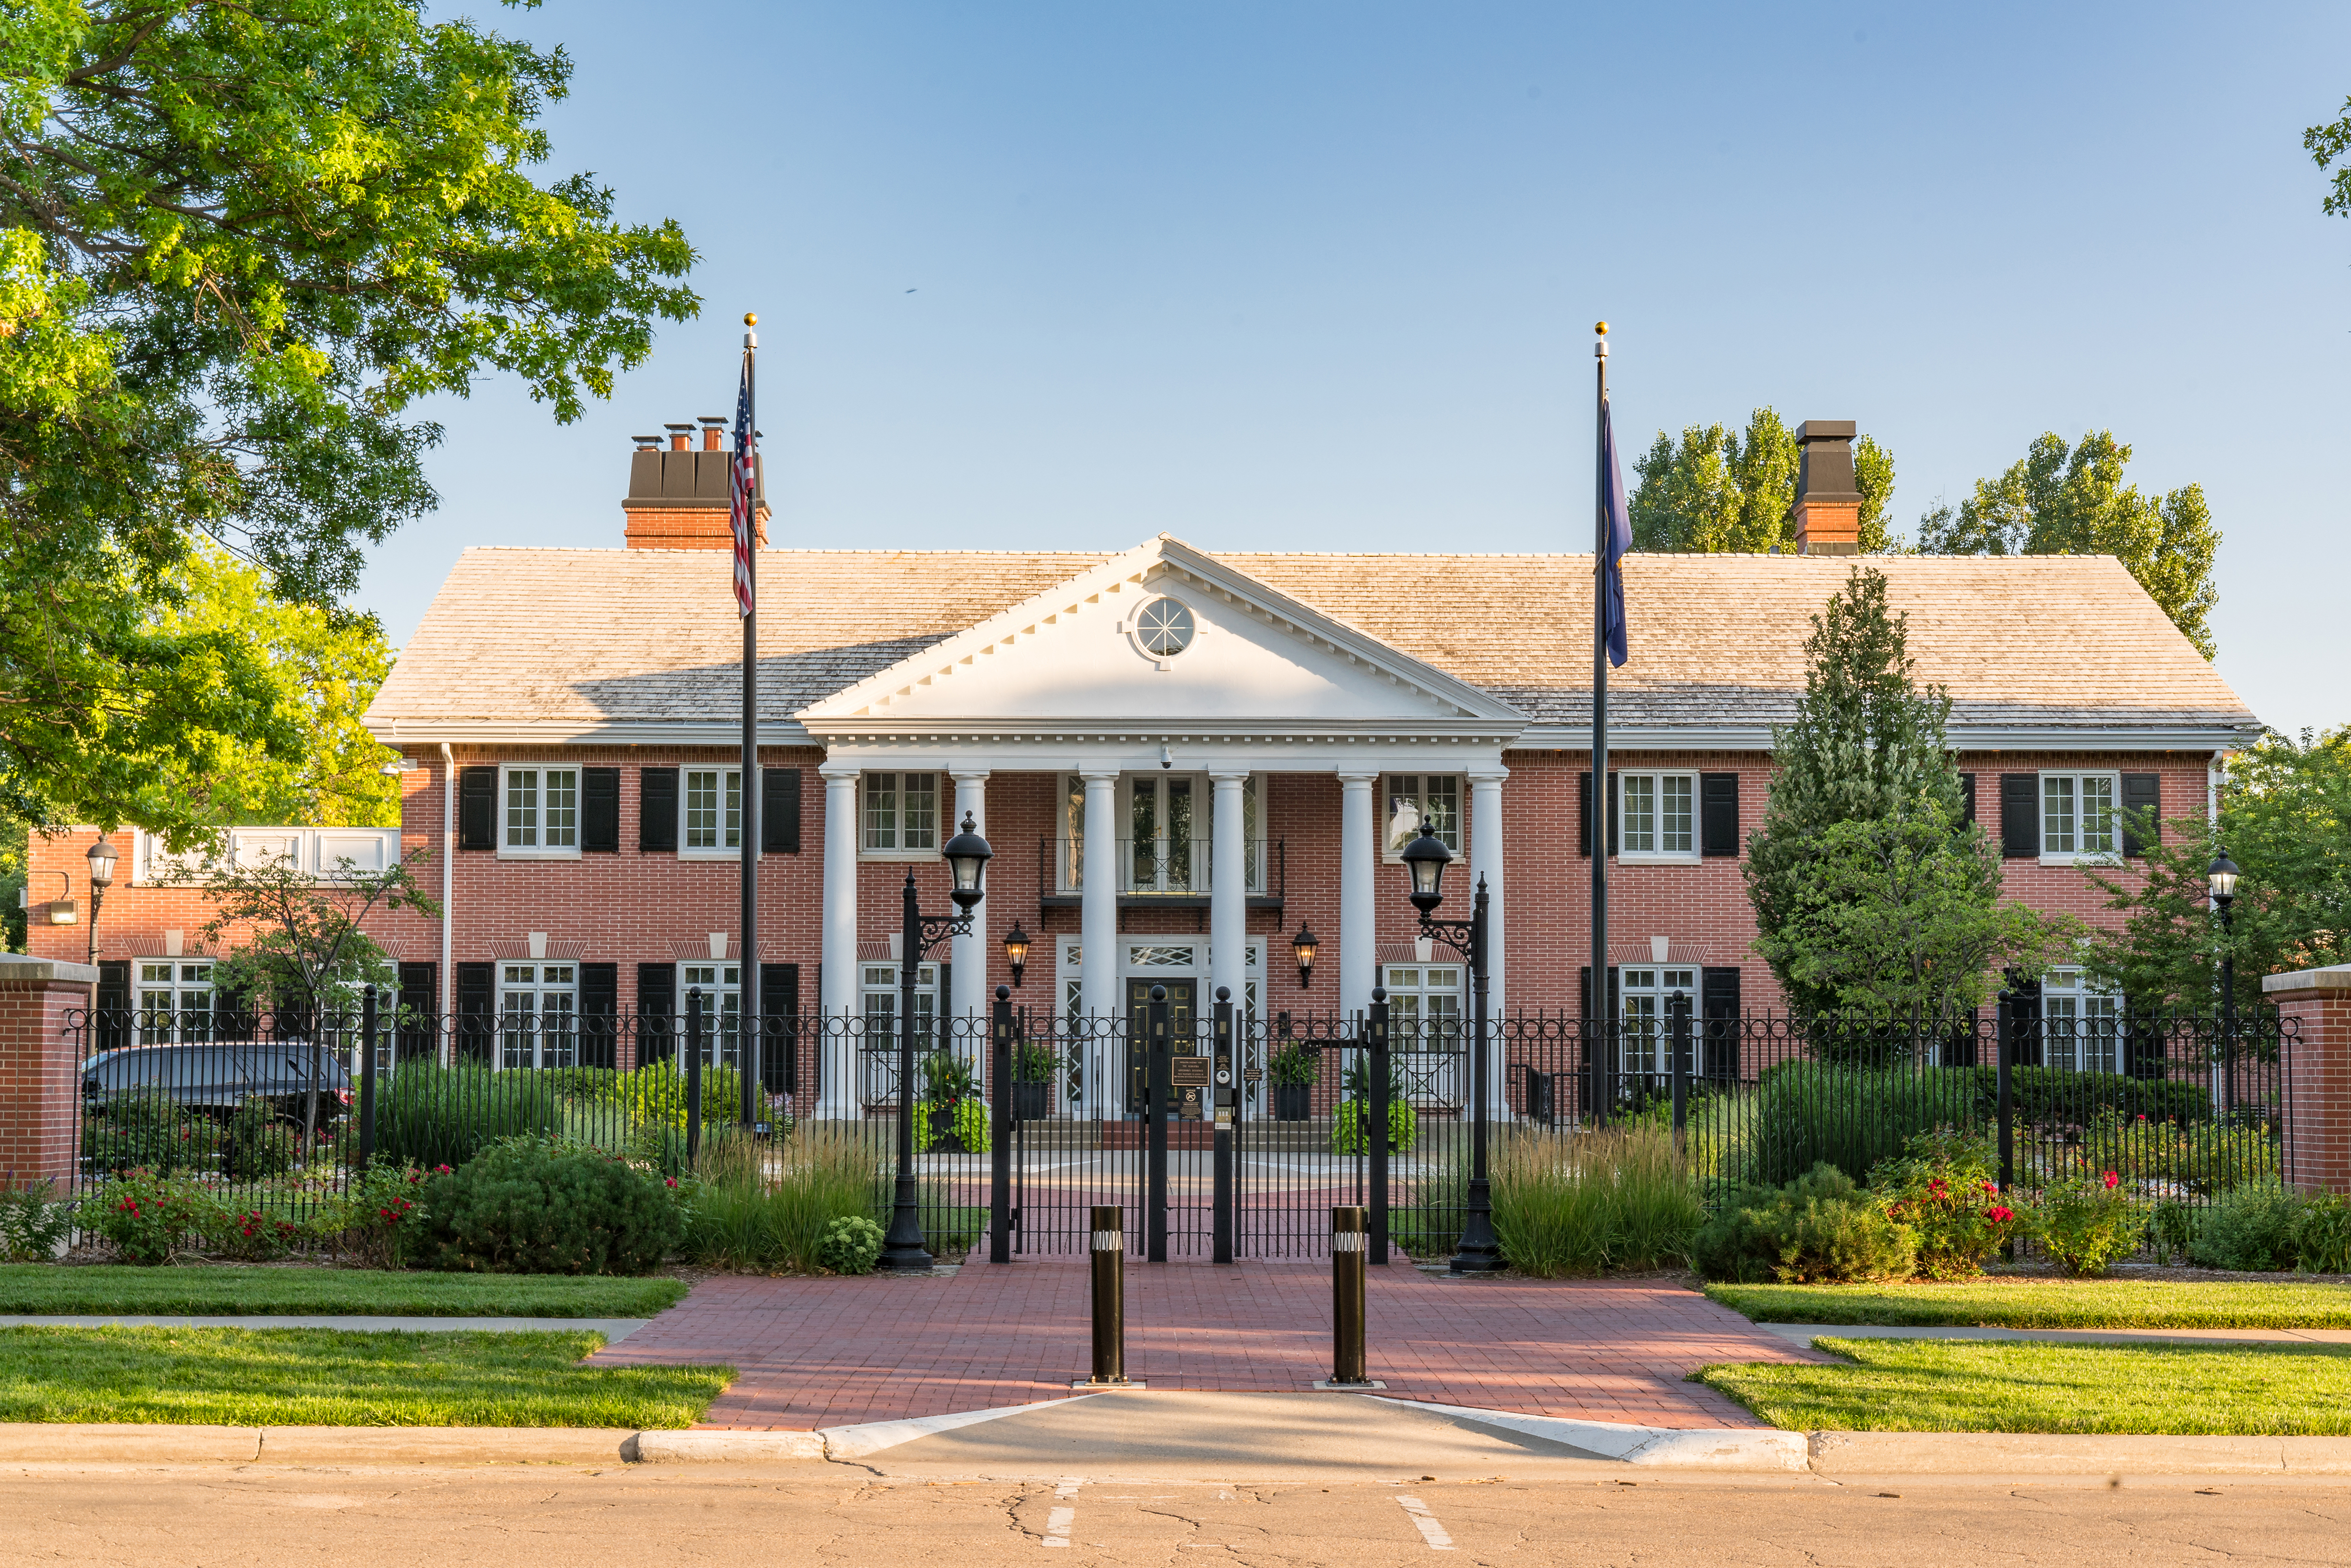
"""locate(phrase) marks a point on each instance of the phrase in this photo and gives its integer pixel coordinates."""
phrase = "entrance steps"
(1260, 1136)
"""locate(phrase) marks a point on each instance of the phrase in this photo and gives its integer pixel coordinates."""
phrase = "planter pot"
(1031, 1101)
(1293, 1102)
(944, 1138)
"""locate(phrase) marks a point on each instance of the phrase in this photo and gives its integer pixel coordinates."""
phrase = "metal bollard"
(1109, 1249)
(1349, 1249)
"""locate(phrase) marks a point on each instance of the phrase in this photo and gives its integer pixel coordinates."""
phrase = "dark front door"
(1180, 997)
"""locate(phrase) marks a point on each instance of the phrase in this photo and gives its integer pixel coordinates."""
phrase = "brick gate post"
(2318, 1075)
(40, 1096)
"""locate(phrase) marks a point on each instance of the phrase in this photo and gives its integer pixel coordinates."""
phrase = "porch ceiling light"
(1016, 950)
(966, 855)
(101, 864)
(2221, 877)
(1303, 946)
(1425, 858)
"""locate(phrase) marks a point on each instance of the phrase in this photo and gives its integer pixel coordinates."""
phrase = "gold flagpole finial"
(751, 320)
(1601, 328)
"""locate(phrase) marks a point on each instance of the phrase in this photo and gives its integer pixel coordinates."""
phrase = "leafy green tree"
(1718, 489)
(1900, 917)
(2056, 500)
(1866, 746)
(2329, 145)
(237, 243)
(2285, 819)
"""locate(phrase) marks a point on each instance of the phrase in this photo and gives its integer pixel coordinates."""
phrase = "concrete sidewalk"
(614, 1329)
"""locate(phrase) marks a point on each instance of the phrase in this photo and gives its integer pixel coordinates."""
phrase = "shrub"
(247, 1234)
(655, 1094)
(148, 1218)
(2321, 1236)
(1586, 1205)
(967, 1125)
(1351, 1134)
(850, 1245)
(380, 1218)
(532, 1206)
(2194, 1157)
(2089, 1219)
(433, 1115)
(1808, 1114)
(2250, 1229)
(148, 1130)
(2170, 1229)
(1818, 1227)
(34, 1222)
(751, 1212)
(258, 1144)
(1942, 1189)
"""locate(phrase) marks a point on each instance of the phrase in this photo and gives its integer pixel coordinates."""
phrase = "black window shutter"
(1583, 982)
(2142, 797)
(420, 1009)
(656, 1009)
(113, 1020)
(476, 989)
(1718, 797)
(477, 808)
(600, 811)
(2019, 815)
(1615, 802)
(657, 809)
(780, 811)
(599, 1012)
(1960, 1046)
(1717, 1003)
(1584, 814)
(1967, 797)
(233, 1014)
(779, 1006)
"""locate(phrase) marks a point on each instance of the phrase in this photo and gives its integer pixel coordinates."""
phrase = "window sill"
(710, 854)
(1396, 857)
(2108, 859)
(515, 854)
(1691, 859)
(908, 855)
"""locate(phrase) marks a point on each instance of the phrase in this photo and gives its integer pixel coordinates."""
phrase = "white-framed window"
(1643, 994)
(710, 812)
(879, 1059)
(1167, 834)
(539, 811)
(174, 1000)
(1657, 816)
(902, 813)
(538, 1007)
(722, 1009)
(2081, 1026)
(1427, 998)
(2081, 816)
(1414, 798)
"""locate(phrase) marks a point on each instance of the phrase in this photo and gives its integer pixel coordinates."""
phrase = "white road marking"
(1426, 1523)
(1057, 1522)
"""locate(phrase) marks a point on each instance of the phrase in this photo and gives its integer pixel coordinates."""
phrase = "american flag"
(746, 484)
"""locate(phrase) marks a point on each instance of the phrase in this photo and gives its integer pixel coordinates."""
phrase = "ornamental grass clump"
(1588, 1205)
(759, 1208)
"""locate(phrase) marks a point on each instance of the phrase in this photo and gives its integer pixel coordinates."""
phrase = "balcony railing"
(1159, 869)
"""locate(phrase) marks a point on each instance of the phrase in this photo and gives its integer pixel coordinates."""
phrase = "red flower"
(1999, 1214)
(672, 1180)
(2113, 1181)
(1992, 1187)
(441, 1170)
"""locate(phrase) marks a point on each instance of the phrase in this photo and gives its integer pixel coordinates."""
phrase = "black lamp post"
(2220, 876)
(1016, 951)
(966, 855)
(1302, 948)
(101, 877)
(1425, 858)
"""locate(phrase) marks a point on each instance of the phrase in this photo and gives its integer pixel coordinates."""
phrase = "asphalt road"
(560, 1517)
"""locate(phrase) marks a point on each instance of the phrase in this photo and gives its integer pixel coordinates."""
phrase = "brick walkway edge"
(831, 1352)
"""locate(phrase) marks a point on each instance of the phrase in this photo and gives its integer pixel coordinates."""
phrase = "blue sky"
(1322, 277)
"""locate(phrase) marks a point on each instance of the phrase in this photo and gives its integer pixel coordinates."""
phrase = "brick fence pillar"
(40, 1092)
(2318, 1075)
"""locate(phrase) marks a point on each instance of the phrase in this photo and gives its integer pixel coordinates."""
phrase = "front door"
(1181, 995)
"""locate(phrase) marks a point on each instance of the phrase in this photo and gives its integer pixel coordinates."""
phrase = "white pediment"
(1072, 657)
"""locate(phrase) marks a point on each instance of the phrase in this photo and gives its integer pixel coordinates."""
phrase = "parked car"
(216, 1076)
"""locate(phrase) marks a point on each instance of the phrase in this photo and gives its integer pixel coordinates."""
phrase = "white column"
(837, 1097)
(1228, 892)
(1358, 916)
(969, 954)
(1486, 854)
(1098, 935)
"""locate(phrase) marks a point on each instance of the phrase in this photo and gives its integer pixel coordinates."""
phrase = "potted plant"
(947, 1083)
(1291, 1072)
(1033, 1065)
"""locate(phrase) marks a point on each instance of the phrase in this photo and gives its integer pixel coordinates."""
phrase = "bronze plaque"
(1189, 1070)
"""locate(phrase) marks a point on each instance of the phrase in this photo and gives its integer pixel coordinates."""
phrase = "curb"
(74, 1443)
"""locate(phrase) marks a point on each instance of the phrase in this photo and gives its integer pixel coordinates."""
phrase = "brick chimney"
(1828, 499)
(680, 498)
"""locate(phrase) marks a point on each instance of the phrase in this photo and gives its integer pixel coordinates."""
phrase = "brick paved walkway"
(829, 1352)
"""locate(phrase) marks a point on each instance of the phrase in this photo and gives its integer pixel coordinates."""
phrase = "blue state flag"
(1620, 539)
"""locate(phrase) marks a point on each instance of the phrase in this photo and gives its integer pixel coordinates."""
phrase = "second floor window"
(2077, 814)
(1417, 797)
(714, 810)
(902, 812)
(1657, 814)
(542, 808)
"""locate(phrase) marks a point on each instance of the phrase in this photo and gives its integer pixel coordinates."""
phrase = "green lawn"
(2050, 1304)
(217, 1290)
(1986, 1386)
(289, 1377)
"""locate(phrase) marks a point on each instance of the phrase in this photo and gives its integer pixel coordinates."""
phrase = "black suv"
(214, 1076)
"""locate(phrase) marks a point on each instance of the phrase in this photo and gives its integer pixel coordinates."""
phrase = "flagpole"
(1596, 1002)
(748, 1026)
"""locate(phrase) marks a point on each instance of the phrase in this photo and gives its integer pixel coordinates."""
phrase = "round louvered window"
(1163, 628)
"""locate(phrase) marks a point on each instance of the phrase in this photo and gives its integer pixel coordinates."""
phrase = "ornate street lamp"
(966, 855)
(2220, 876)
(1303, 946)
(1425, 858)
(101, 877)
(1016, 951)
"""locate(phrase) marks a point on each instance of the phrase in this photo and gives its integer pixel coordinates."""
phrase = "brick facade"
(2316, 1004)
(40, 1097)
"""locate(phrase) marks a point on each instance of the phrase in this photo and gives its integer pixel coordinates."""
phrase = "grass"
(287, 1378)
(1977, 1385)
(1600, 1201)
(217, 1290)
(763, 1210)
(2050, 1304)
